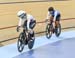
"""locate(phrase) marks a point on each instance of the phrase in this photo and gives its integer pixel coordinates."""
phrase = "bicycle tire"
(57, 33)
(49, 31)
(21, 41)
(31, 42)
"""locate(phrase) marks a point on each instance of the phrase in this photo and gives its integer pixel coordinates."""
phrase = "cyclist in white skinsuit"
(53, 15)
(26, 21)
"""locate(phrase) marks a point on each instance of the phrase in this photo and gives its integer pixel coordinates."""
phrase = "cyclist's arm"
(48, 17)
(19, 25)
(20, 22)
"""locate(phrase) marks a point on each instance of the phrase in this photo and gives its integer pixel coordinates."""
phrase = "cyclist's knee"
(56, 23)
(31, 33)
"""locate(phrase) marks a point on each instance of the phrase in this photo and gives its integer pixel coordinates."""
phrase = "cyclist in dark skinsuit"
(53, 15)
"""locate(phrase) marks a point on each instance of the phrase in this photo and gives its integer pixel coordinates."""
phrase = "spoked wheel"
(49, 31)
(58, 31)
(31, 42)
(20, 43)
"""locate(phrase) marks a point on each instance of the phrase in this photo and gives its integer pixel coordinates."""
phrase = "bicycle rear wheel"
(58, 30)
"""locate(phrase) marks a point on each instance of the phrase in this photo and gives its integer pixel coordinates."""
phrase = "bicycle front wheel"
(20, 43)
(49, 31)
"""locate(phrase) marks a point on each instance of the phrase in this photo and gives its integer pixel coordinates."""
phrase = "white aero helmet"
(21, 13)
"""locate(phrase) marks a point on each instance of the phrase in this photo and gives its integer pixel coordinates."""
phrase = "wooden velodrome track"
(8, 15)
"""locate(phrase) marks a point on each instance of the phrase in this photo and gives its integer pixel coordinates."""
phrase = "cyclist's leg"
(25, 31)
(31, 33)
(51, 19)
(51, 23)
(57, 22)
(31, 26)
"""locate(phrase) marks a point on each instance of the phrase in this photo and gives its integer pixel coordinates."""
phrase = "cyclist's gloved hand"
(17, 28)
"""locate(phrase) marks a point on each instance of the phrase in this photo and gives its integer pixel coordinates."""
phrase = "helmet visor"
(23, 15)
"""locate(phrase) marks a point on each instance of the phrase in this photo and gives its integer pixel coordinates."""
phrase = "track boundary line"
(27, 2)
